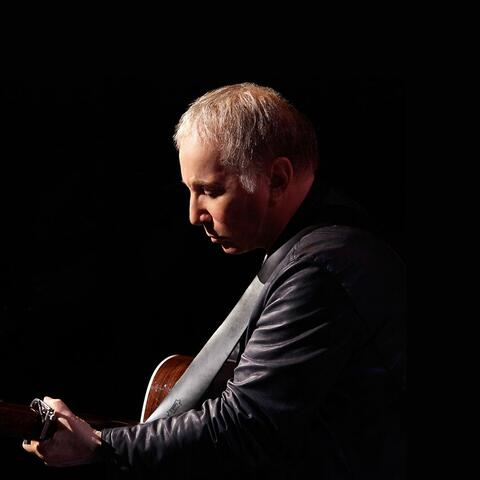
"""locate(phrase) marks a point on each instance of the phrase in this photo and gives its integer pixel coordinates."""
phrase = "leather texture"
(319, 382)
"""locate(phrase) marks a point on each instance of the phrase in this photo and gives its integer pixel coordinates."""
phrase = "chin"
(231, 250)
(235, 249)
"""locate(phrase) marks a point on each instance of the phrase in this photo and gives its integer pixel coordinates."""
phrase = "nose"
(198, 215)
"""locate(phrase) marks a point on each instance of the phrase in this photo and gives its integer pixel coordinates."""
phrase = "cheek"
(230, 216)
(245, 217)
(219, 213)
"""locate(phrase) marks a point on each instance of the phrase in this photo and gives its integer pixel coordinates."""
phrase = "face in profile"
(232, 217)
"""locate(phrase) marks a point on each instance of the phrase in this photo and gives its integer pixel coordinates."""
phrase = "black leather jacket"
(318, 383)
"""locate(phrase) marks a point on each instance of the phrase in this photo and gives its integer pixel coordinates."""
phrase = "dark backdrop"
(101, 274)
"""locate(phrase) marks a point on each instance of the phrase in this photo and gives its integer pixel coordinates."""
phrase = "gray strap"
(197, 377)
(194, 382)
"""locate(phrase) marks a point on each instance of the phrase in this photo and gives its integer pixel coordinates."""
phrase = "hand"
(73, 443)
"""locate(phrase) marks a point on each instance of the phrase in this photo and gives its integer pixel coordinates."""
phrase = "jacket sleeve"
(297, 347)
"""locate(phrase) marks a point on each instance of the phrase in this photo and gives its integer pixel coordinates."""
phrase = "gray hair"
(250, 125)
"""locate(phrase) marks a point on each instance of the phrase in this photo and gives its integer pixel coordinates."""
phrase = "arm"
(300, 342)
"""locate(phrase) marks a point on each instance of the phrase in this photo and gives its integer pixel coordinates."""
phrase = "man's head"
(248, 158)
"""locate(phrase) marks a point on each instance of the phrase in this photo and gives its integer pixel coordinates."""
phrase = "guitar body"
(167, 374)
(20, 421)
(163, 379)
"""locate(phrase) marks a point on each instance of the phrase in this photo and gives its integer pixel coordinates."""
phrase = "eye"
(211, 192)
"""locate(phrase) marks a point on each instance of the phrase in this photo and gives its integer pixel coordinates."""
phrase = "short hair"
(250, 125)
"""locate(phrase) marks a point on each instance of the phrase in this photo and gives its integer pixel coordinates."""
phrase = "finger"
(31, 446)
(58, 405)
(50, 401)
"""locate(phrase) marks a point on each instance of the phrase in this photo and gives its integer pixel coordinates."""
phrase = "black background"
(101, 274)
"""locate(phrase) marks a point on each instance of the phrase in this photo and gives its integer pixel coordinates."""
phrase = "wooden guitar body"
(163, 379)
(167, 374)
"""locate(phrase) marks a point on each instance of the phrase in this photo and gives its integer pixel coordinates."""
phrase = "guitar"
(37, 421)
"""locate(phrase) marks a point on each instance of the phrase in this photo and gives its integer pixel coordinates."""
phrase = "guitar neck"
(19, 421)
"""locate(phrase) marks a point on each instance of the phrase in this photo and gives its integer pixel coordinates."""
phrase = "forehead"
(200, 163)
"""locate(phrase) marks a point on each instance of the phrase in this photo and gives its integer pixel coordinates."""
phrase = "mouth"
(219, 240)
(215, 239)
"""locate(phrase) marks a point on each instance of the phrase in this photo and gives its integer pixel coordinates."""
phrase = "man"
(318, 384)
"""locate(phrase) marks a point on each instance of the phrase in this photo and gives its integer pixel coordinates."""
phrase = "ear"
(281, 175)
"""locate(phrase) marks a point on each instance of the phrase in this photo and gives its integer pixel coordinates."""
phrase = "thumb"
(58, 405)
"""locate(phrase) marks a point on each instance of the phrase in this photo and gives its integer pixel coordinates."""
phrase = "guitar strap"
(194, 382)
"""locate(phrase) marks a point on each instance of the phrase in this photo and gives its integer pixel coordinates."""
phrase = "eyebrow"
(201, 184)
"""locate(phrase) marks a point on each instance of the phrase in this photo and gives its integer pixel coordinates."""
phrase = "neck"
(285, 209)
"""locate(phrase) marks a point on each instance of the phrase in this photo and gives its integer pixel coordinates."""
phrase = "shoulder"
(351, 255)
(333, 242)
